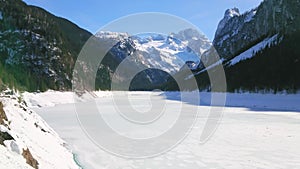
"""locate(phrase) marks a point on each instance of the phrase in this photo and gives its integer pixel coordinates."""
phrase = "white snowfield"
(31, 132)
(257, 131)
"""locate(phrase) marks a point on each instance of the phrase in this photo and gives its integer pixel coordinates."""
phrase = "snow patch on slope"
(251, 52)
(250, 15)
(219, 62)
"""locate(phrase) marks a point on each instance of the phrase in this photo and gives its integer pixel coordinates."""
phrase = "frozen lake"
(260, 136)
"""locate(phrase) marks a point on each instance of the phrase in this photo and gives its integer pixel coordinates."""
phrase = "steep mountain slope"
(259, 48)
(237, 32)
(37, 49)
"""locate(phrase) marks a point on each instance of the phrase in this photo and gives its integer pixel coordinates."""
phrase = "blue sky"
(93, 14)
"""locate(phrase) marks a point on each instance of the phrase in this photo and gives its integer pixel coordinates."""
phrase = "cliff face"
(237, 32)
(258, 49)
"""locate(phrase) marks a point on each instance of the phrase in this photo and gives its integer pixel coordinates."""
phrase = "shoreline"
(254, 101)
(75, 158)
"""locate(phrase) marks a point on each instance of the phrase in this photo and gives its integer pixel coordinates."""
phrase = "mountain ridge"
(38, 50)
(262, 48)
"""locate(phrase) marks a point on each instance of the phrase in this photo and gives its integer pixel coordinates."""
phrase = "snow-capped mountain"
(165, 53)
(194, 40)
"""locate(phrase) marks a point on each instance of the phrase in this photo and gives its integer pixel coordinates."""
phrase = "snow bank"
(51, 98)
(30, 131)
(280, 102)
(47, 99)
(255, 101)
(289, 102)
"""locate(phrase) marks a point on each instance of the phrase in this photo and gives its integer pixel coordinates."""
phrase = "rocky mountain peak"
(263, 37)
(229, 14)
(237, 32)
(194, 39)
(232, 12)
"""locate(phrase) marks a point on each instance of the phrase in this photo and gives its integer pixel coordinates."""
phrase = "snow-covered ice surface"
(30, 131)
(260, 131)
